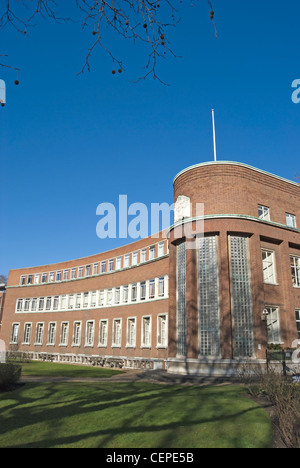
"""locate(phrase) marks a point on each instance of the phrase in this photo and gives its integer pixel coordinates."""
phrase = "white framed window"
(70, 301)
(66, 275)
(89, 334)
(111, 264)
(131, 332)
(63, 302)
(161, 286)
(48, 303)
(86, 297)
(29, 279)
(135, 258)
(134, 292)
(73, 273)
(264, 212)
(58, 275)
(33, 304)
(117, 295)
(15, 333)
(101, 298)
(27, 333)
(143, 290)
(55, 302)
(152, 252)
(41, 303)
(273, 325)
(26, 305)
(103, 328)
(109, 297)
(80, 272)
(76, 334)
(94, 299)
(295, 267)
(143, 255)
(162, 331)
(88, 270)
(125, 294)
(51, 333)
(126, 261)
(64, 333)
(95, 268)
(22, 280)
(39, 334)
(268, 261)
(161, 249)
(78, 301)
(37, 278)
(44, 278)
(291, 220)
(152, 289)
(51, 277)
(146, 332)
(298, 322)
(19, 305)
(119, 263)
(117, 332)
(103, 266)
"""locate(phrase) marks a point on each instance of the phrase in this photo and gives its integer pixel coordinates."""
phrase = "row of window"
(98, 268)
(269, 268)
(153, 289)
(264, 214)
(88, 337)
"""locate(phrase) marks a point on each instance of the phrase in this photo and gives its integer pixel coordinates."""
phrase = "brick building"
(194, 304)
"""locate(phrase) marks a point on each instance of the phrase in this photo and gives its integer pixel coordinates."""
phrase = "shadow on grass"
(132, 414)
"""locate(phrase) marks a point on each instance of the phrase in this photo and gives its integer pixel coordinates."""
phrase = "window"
(51, 333)
(78, 301)
(133, 292)
(143, 290)
(58, 275)
(27, 333)
(39, 333)
(263, 213)
(135, 258)
(90, 327)
(290, 220)
(295, 266)
(162, 331)
(86, 296)
(80, 272)
(29, 279)
(268, 260)
(41, 303)
(111, 265)
(109, 297)
(131, 332)
(152, 289)
(33, 304)
(146, 332)
(117, 295)
(64, 332)
(143, 255)
(298, 323)
(73, 273)
(125, 294)
(37, 278)
(95, 268)
(273, 325)
(19, 305)
(26, 305)
(152, 252)
(126, 260)
(117, 332)
(88, 270)
(103, 266)
(15, 333)
(71, 301)
(44, 277)
(118, 263)
(161, 249)
(63, 302)
(55, 302)
(161, 286)
(66, 275)
(101, 298)
(77, 334)
(93, 299)
(48, 303)
(51, 277)
(103, 333)
(22, 280)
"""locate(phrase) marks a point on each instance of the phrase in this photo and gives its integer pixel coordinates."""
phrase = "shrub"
(9, 375)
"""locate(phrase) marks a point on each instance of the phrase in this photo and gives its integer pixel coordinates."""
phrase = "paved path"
(157, 376)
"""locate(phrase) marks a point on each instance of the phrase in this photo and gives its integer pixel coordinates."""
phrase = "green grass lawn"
(52, 369)
(130, 415)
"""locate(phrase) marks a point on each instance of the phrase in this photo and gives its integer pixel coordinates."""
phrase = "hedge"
(9, 375)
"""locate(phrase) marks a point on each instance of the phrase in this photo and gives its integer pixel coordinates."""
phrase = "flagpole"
(214, 132)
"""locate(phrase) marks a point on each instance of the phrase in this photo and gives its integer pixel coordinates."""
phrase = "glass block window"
(243, 339)
(208, 290)
(181, 300)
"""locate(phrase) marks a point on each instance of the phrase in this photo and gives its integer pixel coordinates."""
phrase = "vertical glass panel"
(181, 300)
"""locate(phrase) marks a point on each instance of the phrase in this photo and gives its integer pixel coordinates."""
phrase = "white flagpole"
(214, 132)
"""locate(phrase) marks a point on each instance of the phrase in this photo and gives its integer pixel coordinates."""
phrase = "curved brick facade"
(192, 305)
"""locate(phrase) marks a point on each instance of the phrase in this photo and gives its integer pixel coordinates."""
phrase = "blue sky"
(69, 142)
